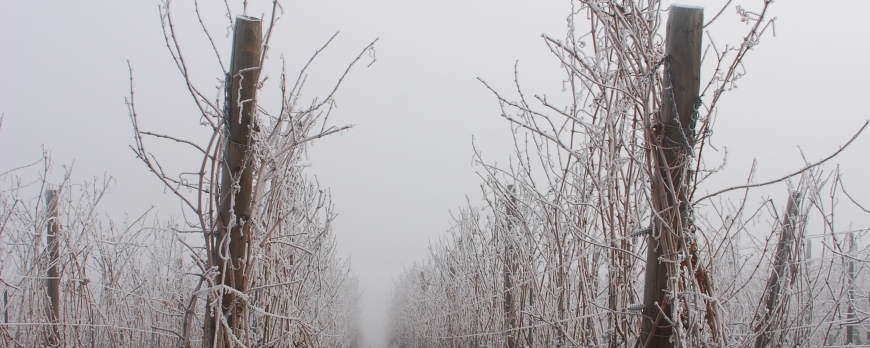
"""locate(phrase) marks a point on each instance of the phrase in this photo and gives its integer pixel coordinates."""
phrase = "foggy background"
(407, 163)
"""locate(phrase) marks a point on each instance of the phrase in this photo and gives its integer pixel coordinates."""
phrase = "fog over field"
(419, 110)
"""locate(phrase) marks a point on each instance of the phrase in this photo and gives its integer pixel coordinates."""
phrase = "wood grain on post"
(52, 282)
(672, 140)
(237, 176)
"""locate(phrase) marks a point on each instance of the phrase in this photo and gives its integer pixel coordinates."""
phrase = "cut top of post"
(248, 37)
(247, 18)
(687, 6)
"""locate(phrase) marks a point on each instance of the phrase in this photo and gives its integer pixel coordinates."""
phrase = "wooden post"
(781, 268)
(673, 140)
(510, 268)
(234, 233)
(52, 282)
(851, 318)
(530, 339)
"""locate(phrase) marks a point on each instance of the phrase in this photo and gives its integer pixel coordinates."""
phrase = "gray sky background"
(407, 164)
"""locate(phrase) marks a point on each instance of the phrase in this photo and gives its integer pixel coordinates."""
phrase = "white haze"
(406, 165)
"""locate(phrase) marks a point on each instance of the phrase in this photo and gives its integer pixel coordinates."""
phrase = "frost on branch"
(559, 261)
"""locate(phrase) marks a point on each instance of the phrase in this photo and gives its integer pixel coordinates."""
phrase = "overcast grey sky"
(406, 165)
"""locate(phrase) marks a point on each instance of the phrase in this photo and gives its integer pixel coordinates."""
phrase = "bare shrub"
(157, 283)
(295, 290)
(120, 286)
(555, 256)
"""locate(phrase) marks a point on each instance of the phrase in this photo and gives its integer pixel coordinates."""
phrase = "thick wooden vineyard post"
(672, 140)
(781, 267)
(231, 249)
(850, 314)
(510, 270)
(52, 282)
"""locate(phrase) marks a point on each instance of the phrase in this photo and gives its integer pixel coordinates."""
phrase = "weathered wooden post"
(781, 267)
(52, 282)
(672, 141)
(510, 269)
(851, 318)
(5, 307)
(530, 339)
(231, 247)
